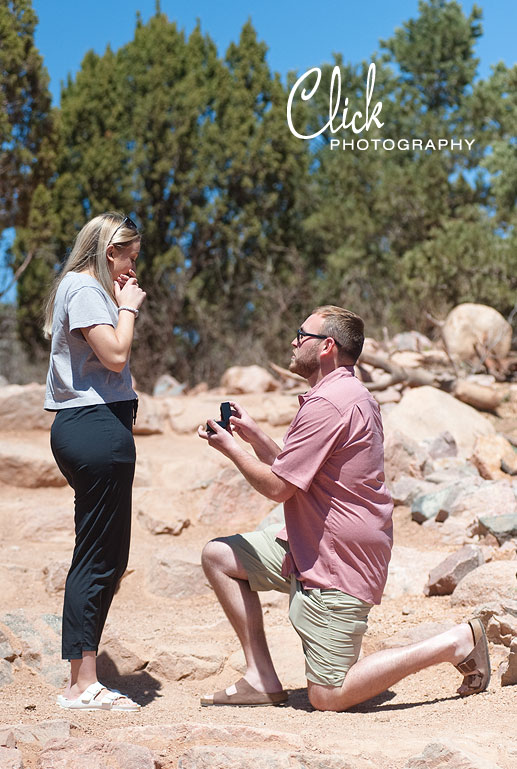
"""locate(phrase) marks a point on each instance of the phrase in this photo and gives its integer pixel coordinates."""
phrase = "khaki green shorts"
(330, 623)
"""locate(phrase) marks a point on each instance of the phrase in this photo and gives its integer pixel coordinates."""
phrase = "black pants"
(94, 449)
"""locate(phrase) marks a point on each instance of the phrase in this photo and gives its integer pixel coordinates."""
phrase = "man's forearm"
(259, 475)
(265, 447)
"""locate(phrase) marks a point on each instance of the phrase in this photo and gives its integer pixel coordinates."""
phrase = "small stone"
(154, 526)
(508, 669)
(115, 659)
(501, 629)
(490, 451)
(440, 755)
(502, 527)
(435, 506)
(54, 576)
(406, 489)
(6, 650)
(6, 673)
(444, 578)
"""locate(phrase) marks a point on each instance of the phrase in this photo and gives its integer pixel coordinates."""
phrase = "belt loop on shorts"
(135, 409)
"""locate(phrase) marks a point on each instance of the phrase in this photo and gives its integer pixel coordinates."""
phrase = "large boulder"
(173, 574)
(471, 329)
(495, 579)
(248, 379)
(484, 499)
(150, 417)
(231, 501)
(425, 412)
(21, 407)
(28, 465)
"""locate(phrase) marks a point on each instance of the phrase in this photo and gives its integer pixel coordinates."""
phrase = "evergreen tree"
(28, 137)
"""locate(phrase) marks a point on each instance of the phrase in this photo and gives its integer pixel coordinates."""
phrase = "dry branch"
(19, 272)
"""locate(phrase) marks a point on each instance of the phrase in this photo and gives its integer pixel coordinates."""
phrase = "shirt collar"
(338, 373)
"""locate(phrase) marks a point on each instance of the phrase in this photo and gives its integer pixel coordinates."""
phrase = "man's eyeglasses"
(126, 222)
(300, 334)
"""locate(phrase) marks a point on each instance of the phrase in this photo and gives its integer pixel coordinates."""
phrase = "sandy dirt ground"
(177, 471)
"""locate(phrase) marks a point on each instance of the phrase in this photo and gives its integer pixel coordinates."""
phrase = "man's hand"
(258, 474)
(245, 427)
(220, 439)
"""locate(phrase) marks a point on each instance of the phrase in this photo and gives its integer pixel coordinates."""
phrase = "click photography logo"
(345, 125)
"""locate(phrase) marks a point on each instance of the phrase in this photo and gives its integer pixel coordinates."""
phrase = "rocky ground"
(167, 641)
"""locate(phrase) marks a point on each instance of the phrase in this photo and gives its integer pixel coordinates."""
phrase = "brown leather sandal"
(242, 694)
(476, 666)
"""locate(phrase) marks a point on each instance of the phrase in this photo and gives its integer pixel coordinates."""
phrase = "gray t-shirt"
(76, 377)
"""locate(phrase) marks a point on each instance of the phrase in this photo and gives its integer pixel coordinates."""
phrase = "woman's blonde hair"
(89, 254)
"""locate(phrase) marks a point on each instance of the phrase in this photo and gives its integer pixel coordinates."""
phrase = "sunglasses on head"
(126, 222)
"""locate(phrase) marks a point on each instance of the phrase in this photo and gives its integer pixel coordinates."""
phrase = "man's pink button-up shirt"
(339, 522)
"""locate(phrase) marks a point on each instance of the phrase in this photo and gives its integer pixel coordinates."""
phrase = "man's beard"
(305, 367)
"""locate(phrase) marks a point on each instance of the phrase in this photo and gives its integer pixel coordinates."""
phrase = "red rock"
(508, 669)
(402, 456)
(22, 406)
(174, 575)
(28, 465)
(490, 451)
(501, 629)
(95, 754)
(35, 732)
(248, 379)
(214, 757)
(231, 499)
(115, 658)
(495, 579)
(426, 412)
(444, 578)
(437, 755)
(149, 419)
(54, 576)
(180, 664)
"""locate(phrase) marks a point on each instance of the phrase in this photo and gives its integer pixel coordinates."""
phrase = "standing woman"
(90, 316)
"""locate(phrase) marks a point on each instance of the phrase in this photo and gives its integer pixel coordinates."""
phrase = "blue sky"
(300, 34)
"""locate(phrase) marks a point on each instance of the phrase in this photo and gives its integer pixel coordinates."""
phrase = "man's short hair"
(346, 328)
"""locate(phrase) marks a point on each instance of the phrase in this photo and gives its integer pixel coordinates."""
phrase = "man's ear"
(327, 346)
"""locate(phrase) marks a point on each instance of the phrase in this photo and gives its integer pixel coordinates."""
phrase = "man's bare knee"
(324, 697)
(218, 556)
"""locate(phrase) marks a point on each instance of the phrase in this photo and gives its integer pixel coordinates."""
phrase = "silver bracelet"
(130, 309)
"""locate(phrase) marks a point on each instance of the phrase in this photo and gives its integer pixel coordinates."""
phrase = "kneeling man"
(332, 556)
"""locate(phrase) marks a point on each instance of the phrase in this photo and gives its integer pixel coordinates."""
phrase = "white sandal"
(89, 700)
